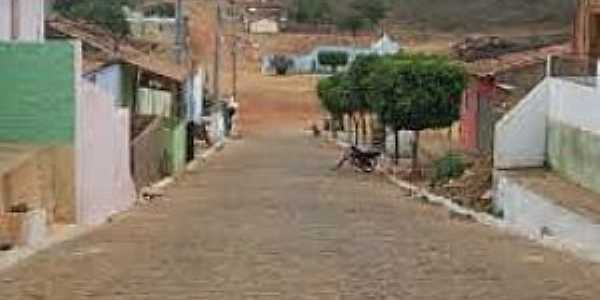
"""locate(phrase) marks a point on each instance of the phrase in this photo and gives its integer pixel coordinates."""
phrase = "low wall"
(575, 153)
(573, 133)
(178, 146)
(42, 178)
(151, 154)
(533, 214)
(520, 136)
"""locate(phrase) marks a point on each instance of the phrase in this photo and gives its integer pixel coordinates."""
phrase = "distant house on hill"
(264, 25)
(309, 63)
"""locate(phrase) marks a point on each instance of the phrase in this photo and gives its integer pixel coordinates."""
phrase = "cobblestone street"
(266, 219)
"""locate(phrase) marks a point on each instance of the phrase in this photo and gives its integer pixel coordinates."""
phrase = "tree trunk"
(333, 126)
(415, 153)
(364, 128)
(396, 147)
(356, 125)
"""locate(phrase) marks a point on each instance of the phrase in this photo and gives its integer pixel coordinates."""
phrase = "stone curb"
(485, 219)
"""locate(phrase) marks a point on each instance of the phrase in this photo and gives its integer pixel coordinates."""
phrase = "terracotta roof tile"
(105, 42)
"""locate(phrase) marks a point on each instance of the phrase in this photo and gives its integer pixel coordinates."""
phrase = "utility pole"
(217, 62)
(234, 61)
(179, 34)
(217, 65)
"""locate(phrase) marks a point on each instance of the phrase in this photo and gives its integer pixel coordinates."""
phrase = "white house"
(265, 25)
(22, 20)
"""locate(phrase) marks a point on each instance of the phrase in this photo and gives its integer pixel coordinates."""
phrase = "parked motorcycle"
(365, 161)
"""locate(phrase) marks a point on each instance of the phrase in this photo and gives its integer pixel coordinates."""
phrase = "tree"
(371, 10)
(333, 96)
(166, 10)
(357, 77)
(351, 22)
(310, 11)
(417, 92)
(334, 59)
(108, 14)
(282, 64)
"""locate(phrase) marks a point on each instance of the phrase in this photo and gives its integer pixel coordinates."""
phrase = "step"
(541, 204)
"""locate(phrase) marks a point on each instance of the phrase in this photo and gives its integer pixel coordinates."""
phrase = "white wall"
(31, 26)
(529, 213)
(31, 20)
(264, 26)
(574, 104)
(103, 177)
(520, 136)
(5, 20)
(109, 80)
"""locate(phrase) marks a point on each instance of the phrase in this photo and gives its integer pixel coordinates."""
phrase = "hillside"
(470, 15)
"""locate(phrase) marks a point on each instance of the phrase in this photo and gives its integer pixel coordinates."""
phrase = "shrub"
(282, 64)
(334, 59)
(450, 166)
(108, 14)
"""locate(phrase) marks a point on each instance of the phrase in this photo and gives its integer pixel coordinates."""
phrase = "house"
(156, 92)
(144, 23)
(495, 86)
(22, 20)
(309, 63)
(263, 17)
(586, 28)
(263, 25)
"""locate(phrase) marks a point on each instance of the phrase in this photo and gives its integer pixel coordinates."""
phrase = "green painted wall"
(128, 84)
(575, 154)
(177, 148)
(37, 92)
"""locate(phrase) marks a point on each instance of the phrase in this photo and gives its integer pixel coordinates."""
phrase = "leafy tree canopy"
(311, 11)
(417, 92)
(333, 95)
(106, 13)
(372, 10)
(333, 58)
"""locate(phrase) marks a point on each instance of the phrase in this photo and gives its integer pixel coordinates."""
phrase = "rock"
(151, 193)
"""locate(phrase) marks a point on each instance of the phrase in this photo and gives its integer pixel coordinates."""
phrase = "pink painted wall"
(103, 177)
(480, 89)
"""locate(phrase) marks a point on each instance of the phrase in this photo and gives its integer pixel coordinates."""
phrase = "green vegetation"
(310, 11)
(443, 15)
(161, 10)
(334, 59)
(448, 167)
(417, 92)
(282, 64)
(333, 96)
(108, 14)
(406, 92)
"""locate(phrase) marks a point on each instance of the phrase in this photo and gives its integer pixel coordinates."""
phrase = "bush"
(282, 64)
(333, 59)
(166, 10)
(450, 166)
(108, 14)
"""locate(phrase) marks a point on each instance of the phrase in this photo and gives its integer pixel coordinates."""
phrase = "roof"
(105, 42)
(515, 60)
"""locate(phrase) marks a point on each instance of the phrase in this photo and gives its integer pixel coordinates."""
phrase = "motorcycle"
(365, 161)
